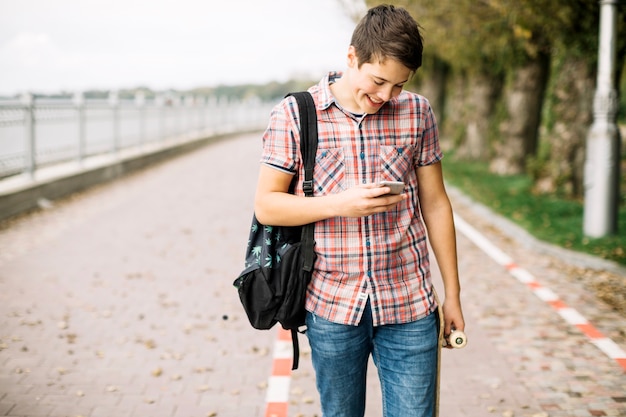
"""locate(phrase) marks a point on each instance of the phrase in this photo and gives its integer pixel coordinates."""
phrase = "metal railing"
(41, 132)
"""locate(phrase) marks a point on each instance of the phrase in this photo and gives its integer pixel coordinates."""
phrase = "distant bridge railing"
(41, 132)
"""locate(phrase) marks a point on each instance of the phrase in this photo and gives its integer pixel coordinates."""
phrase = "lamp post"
(601, 175)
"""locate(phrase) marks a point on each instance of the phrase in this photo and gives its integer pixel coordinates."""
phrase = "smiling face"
(365, 88)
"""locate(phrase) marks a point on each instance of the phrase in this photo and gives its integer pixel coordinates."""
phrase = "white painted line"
(482, 242)
(283, 349)
(546, 294)
(522, 275)
(278, 389)
(277, 395)
(570, 315)
(610, 348)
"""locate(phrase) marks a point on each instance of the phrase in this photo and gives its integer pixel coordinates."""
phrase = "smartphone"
(397, 187)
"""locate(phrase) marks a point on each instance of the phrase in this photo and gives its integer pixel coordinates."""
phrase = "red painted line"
(511, 266)
(557, 304)
(606, 345)
(278, 387)
(276, 410)
(284, 335)
(282, 367)
(590, 331)
(534, 285)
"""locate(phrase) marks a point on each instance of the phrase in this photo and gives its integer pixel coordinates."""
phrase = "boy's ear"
(353, 62)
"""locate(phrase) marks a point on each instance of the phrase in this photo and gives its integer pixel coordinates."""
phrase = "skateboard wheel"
(457, 339)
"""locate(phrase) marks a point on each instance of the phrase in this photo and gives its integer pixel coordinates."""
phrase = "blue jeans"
(404, 354)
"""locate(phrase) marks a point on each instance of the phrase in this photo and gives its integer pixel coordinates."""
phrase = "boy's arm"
(438, 217)
(273, 205)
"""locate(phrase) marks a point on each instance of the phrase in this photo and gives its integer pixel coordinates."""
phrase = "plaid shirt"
(382, 257)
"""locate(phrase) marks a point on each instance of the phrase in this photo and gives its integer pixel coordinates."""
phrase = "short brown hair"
(387, 31)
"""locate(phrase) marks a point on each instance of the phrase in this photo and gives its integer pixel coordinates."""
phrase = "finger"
(369, 185)
(379, 191)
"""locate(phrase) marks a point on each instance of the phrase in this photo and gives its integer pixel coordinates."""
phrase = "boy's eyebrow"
(387, 81)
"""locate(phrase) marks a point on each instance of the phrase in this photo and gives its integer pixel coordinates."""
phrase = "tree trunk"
(480, 100)
(452, 128)
(572, 110)
(519, 132)
(433, 87)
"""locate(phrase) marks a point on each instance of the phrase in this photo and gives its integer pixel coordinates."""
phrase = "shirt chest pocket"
(329, 171)
(395, 162)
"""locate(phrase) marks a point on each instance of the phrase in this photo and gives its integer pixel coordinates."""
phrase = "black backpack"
(279, 259)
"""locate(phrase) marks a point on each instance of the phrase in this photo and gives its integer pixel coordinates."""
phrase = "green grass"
(554, 220)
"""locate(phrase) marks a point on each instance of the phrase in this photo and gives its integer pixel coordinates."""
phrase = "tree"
(471, 37)
(514, 68)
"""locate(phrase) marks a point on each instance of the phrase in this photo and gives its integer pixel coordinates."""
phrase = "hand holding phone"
(397, 187)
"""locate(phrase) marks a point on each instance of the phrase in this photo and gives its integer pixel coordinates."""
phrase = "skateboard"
(457, 339)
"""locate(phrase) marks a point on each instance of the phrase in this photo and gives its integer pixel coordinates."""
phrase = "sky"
(49, 46)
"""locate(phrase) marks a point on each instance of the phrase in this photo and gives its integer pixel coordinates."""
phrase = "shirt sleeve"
(281, 140)
(430, 151)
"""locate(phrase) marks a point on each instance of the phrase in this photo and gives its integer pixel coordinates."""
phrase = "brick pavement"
(118, 302)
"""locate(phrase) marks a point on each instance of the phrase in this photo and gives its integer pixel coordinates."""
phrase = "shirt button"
(367, 243)
(369, 274)
(362, 155)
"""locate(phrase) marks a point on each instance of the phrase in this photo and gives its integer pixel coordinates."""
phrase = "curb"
(20, 194)
(519, 234)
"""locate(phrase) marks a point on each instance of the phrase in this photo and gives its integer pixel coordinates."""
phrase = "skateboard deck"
(458, 340)
(440, 344)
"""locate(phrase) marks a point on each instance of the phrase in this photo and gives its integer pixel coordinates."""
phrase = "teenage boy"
(371, 290)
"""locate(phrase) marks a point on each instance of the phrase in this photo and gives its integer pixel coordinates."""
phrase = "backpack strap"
(308, 149)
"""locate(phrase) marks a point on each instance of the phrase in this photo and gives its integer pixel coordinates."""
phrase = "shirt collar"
(326, 98)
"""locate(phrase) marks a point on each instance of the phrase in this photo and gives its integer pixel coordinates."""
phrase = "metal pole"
(159, 102)
(601, 175)
(30, 162)
(114, 102)
(79, 102)
(140, 103)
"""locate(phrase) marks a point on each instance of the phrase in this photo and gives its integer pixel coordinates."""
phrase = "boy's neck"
(341, 91)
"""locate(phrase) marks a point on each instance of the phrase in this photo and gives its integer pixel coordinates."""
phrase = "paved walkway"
(119, 302)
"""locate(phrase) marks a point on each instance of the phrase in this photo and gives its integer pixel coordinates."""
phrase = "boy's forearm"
(284, 209)
(442, 238)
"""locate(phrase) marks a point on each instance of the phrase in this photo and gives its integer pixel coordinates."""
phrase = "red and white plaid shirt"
(382, 257)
